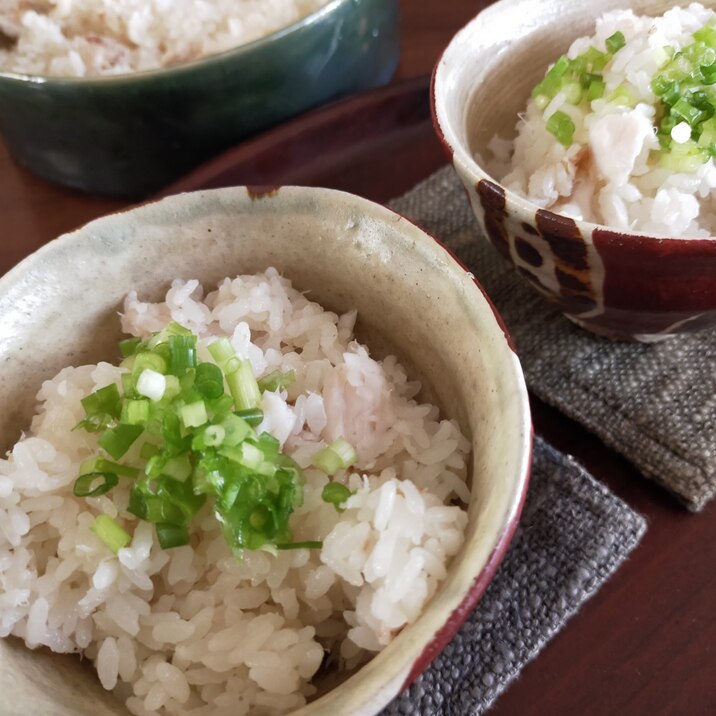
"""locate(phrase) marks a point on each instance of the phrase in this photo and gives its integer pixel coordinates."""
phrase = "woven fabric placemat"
(653, 403)
(574, 533)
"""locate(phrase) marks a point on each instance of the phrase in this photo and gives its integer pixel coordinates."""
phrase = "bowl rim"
(179, 69)
(398, 678)
(463, 159)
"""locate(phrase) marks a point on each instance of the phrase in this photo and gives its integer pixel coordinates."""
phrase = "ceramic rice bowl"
(413, 299)
(130, 135)
(624, 285)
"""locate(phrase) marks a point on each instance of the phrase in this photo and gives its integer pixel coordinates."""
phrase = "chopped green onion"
(572, 92)
(596, 89)
(345, 451)
(552, 81)
(659, 85)
(172, 535)
(623, 96)
(214, 435)
(152, 384)
(244, 454)
(277, 381)
(709, 74)
(129, 385)
(221, 350)
(93, 424)
(129, 346)
(684, 85)
(562, 127)
(327, 461)
(148, 361)
(194, 415)
(105, 401)
(148, 450)
(209, 381)
(243, 386)
(300, 545)
(615, 42)
(84, 484)
(116, 441)
(335, 493)
(198, 443)
(707, 35)
(690, 114)
(236, 430)
(253, 416)
(232, 365)
(158, 340)
(135, 412)
(99, 464)
(269, 445)
(178, 467)
(110, 533)
(182, 353)
(340, 454)
(683, 163)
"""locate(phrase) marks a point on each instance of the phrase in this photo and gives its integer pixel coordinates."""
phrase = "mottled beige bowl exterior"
(620, 284)
(59, 307)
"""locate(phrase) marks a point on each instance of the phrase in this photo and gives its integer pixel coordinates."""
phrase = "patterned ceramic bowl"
(412, 298)
(130, 135)
(617, 284)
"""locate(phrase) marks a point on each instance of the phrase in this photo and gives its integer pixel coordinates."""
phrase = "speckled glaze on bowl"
(413, 299)
(129, 135)
(624, 285)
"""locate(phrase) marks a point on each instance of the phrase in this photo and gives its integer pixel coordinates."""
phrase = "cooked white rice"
(609, 174)
(192, 630)
(79, 38)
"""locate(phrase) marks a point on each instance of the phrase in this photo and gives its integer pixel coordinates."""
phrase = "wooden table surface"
(646, 643)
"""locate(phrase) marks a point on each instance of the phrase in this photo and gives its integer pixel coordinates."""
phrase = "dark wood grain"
(646, 643)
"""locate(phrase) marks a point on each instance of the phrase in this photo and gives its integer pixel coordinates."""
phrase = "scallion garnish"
(209, 381)
(105, 401)
(172, 535)
(110, 533)
(135, 412)
(198, 443)
(277, 381)
(151, 383)
(336, 494)
(193, 415)
(615, 42)
(300, 545)
(116, 441)
(685, 87)
(243, 386)
(339, 455)
(561, 126)
(129, 346)
(253, 416)
(182, 353)
(87, 485)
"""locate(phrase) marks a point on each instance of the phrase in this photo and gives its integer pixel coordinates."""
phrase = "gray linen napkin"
(655, 404)
(573, 535)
